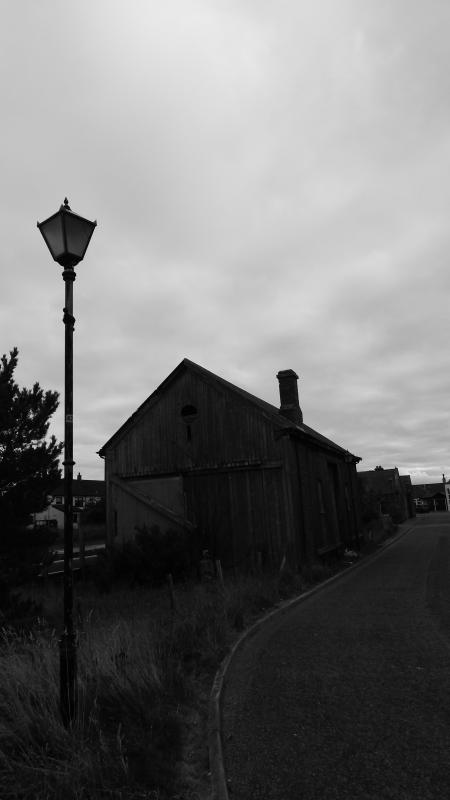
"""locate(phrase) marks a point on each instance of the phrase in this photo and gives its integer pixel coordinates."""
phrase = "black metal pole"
(68, 655)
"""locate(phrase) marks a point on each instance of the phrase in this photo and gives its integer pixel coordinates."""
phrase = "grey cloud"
(269, 188)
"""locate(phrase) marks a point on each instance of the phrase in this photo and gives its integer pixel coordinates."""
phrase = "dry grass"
(144, 674)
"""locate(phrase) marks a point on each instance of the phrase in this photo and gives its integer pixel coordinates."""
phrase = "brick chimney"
(289, 403)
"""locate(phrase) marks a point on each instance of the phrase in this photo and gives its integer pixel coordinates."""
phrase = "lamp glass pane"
(52, 232)
(78, 233)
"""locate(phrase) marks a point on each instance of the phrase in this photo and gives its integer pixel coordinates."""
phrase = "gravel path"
(348, 694)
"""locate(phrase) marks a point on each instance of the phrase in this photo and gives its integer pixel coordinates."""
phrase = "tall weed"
(140, 665)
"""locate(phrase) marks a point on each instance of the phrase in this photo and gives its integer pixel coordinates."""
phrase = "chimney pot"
(289, 402)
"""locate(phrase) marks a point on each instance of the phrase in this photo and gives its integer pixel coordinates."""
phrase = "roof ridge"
(263, 405)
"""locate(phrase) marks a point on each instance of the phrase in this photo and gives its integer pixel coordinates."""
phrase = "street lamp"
(67, 236)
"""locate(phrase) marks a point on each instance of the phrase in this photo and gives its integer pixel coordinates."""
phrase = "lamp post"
(67, 236)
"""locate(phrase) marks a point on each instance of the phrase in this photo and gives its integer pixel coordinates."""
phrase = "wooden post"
(81, 547)
(80, 620)
(222, 587)
(171, 592)
(220, 573)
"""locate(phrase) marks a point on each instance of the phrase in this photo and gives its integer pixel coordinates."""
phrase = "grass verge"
(144, 676)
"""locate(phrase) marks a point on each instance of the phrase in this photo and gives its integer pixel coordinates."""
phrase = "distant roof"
(380, 480)
(82, 488)
(423, 490)
(272, 412)
(379, 472)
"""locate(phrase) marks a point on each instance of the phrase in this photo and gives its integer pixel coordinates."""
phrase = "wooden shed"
(240, 474)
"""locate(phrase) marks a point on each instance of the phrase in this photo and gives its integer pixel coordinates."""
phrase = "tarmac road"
(348, 694)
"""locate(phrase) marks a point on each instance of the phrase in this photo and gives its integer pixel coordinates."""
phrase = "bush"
(162, 553)
(289, 583)
(17, 612)
(22, 553)
(147, 559)
(94, 514)
(370, 504)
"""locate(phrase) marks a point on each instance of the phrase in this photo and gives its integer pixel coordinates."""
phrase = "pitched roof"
(82, 488)
(272, 412)
(424, 490)
(380, 480)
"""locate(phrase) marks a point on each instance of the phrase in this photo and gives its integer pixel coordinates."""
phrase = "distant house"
(86, 493)
(241, 475)
(388, 492)
(431, 496)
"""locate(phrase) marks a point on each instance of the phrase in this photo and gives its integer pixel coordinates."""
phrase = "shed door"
(335, 501)
(208, 507)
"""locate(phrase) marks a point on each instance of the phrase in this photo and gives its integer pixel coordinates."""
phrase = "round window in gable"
(189, 414)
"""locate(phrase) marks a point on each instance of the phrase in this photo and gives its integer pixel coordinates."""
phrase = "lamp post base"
(68, 677)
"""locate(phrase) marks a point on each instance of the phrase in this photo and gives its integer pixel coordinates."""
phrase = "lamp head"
(67, 235)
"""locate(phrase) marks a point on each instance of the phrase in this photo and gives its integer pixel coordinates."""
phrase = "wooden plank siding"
(158, 442)
(133, 509)
(335, 524)
(167, 490)
(237, 513)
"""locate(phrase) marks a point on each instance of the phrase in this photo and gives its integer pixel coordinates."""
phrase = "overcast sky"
(271, 184)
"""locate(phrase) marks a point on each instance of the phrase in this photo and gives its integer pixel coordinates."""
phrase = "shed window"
(189, 414)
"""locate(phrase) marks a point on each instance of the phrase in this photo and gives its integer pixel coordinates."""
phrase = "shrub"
(94, 514)
(369, 503)
(146, 559)
(289, 583)
(162, 553)
(21, 555)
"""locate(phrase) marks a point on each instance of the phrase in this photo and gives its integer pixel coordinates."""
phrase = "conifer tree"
(28, 460)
